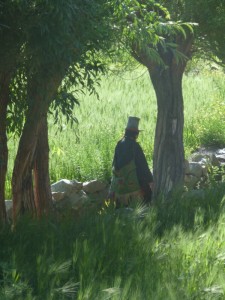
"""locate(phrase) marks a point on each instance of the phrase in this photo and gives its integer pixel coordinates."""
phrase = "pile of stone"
(74, 195)
(203, 164)
(77, 196)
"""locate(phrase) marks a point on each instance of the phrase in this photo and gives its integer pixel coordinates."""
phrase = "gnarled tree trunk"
(168, 160)
(4, 100)
(41, 91)
(22, 187)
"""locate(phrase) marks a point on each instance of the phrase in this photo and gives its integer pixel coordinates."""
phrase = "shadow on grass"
(46, 259)
(190, 209)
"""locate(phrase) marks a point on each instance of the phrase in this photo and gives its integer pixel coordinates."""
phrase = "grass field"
(102, 123)
(172, 251)
(85, 151)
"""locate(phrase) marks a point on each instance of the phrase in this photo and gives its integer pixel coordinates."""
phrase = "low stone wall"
(71, 194)
(75, 196)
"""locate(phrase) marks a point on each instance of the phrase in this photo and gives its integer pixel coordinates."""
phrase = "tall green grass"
(102, 122)
(85, 151)
(204, 110)
(174, 250)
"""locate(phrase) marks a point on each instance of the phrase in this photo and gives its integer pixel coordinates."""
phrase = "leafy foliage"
(10, 35)
(211, 18)
(18, 104)
(81, 77)
(41, 39)
(146, 25)
(61, 33)
(64, 37)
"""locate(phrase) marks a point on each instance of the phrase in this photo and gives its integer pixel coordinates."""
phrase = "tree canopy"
(42, 43)
(210, 17)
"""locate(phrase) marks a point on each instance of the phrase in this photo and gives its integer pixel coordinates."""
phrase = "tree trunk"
(4, 100)
(40, 91)
(42, 190)
(22, 187)
(168, 160)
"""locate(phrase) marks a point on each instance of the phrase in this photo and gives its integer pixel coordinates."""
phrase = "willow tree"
(58, 36)
(168, 161)
(164, 47)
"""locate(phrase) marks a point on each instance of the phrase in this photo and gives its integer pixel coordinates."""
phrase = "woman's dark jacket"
(127, 149)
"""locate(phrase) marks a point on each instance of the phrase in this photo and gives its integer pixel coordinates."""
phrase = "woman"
(132, 178)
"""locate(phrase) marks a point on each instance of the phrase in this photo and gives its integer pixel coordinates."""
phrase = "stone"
(66, 186)
(58, 196)
(190, 181)
(73, 200)
(214, 160)
(68, 196)
(204, 171)
(221, 158)
(199, 157)
(220, 155)
(78, 200)
(94, 186)
(205, 162)
(195, 169)
(77, 203)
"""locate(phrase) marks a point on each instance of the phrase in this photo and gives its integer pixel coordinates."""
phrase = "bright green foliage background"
(85, 151)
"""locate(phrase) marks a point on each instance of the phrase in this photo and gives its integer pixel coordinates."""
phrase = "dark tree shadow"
(191, 208)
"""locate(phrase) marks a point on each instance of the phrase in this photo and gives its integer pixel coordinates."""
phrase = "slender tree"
(58, 36)
(51, 39)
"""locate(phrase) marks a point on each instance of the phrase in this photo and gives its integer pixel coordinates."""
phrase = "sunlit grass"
(85, 151)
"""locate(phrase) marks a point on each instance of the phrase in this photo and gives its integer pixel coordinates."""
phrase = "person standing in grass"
(131, 178)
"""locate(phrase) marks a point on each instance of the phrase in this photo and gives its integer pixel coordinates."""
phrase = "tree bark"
(4, 100)
(168, 160)
(22, 187)
(42, 190)
(40, 93)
